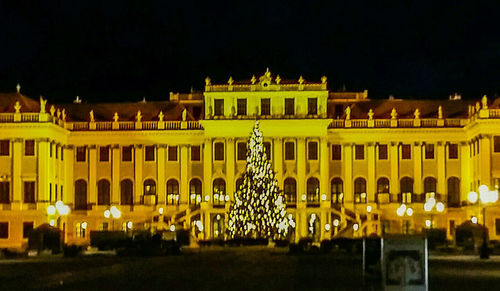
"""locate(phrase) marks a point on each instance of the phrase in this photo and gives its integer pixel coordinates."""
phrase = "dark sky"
(124, 50)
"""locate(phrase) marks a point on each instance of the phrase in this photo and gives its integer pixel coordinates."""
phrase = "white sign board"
(404, 263)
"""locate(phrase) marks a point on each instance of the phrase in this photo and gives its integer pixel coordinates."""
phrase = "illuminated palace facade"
(348, 166)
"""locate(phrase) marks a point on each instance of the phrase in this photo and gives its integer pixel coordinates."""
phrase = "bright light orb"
(51, 210)
(323, 197)
(172, 227)
(84, 225)
(355, 227)
(52, 222)
(369, 208)
(218, 217)
(472, 197)
(336, 222)
(107, 213)
(207, 197)
(227, 198)
(431, 201)
(409, 211)
(327, 227)
(115, 212)
(428, 223)
(59, 203)
(473, 219)
(493, 196)
(427, 207)
(129, 225)
(160, 210)
(303, 197)
(440, 206)
(64, 210)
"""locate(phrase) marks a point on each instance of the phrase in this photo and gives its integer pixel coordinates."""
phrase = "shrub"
(71, 250)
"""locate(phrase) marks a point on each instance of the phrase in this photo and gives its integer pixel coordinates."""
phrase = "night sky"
(124, 50)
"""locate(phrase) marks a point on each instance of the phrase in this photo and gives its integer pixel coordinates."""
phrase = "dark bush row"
(242, 242)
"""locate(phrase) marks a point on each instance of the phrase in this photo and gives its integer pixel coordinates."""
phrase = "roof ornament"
(138, 117)
(115, 117)
(347, 112)
(417, 114)
(18, 88)
(230, 81)
(63, 114)
(77, 100)
(440, 112)
(478, 106)
(17, 107)
(484, 101)
(184, 114)
(267, 73)
(394, 113)
(160, 116)
(278, 79)
(253, 80)
(143, 99)
(370, 113)
(43, 103)
(52, 110)
(58, 113)
(208, 82)
(323, 80)
(92, 118)
(301, 80)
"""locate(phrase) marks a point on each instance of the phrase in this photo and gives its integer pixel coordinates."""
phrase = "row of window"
(127, 153)
(265, 106)
(4, 229)
(29, 149)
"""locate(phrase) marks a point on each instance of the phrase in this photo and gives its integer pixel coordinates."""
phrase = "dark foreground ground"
(230, 269)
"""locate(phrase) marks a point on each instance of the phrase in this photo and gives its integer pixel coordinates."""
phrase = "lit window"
(172, 192)
(360, 190)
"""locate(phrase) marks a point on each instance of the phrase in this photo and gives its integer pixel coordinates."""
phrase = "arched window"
(172, 192)
(406, 185)
(103, 195)
(195, 191)
(430, 188)
(314, 227)
(80, 195)
(337, 191)
(312, 190)
(218, 226)
(290, 190)
(149, 197)
(360, 190)
(219, 195)
(126, 192)
(383, 185)
(453, 192)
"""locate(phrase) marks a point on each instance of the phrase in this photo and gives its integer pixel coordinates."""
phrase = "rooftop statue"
(184, 113)
(138, 117)
(115, 117)
(394, 113)
(440, 112)
(43, 103)
(485, 102)
(370, 114)
(417, 114)
(348, 113)
(91, 113)
(17, 107)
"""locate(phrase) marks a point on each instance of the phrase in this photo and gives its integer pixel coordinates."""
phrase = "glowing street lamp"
(58, 210)
(429, 206)
(113, 212)
(485, 197)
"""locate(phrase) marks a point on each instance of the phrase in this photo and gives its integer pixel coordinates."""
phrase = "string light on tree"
(259, 208)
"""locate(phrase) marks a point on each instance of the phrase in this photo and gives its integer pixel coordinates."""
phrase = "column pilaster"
(441, 170)
(371, 182)
(43, 169)
(160, 163)
(394, 156)
(138, 149)
(230, 164)
(301, 168)
(92, 164)
(207, 170)
(278, 160)
(115, 172)
(17, 183)
(348, 182)
(417, 168)
(465, 171)
(69, 194)
(184, 189)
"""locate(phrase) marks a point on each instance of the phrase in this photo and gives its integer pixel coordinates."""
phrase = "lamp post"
(486, 197)
(402, 211)
(113, 212)
(58, 210)
(429, 206)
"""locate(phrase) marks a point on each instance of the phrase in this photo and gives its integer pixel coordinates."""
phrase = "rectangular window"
(312, 106)
(336, 152)
(242, 151)
(219, 107)
(289, 151)
(29, 192)
(4, 192)
(429, 151)
(496, 144)
(4, 230)
(497, 226)
(406, 152)
(127, 154)
(29, 147)
(382, 152)
(219, 151)
(241, 107)
(27, 228)
(4, 147)
(104, 154)
(150, 154)
(289, 106)
(267, 149)
(453, 151)
(80, 229)
(195, 153)
(312, 150)
(265, 106)
(359, 152)
(81, 154)
(172, 153)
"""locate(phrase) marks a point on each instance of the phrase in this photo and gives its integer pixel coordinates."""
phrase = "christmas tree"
(258, 210)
